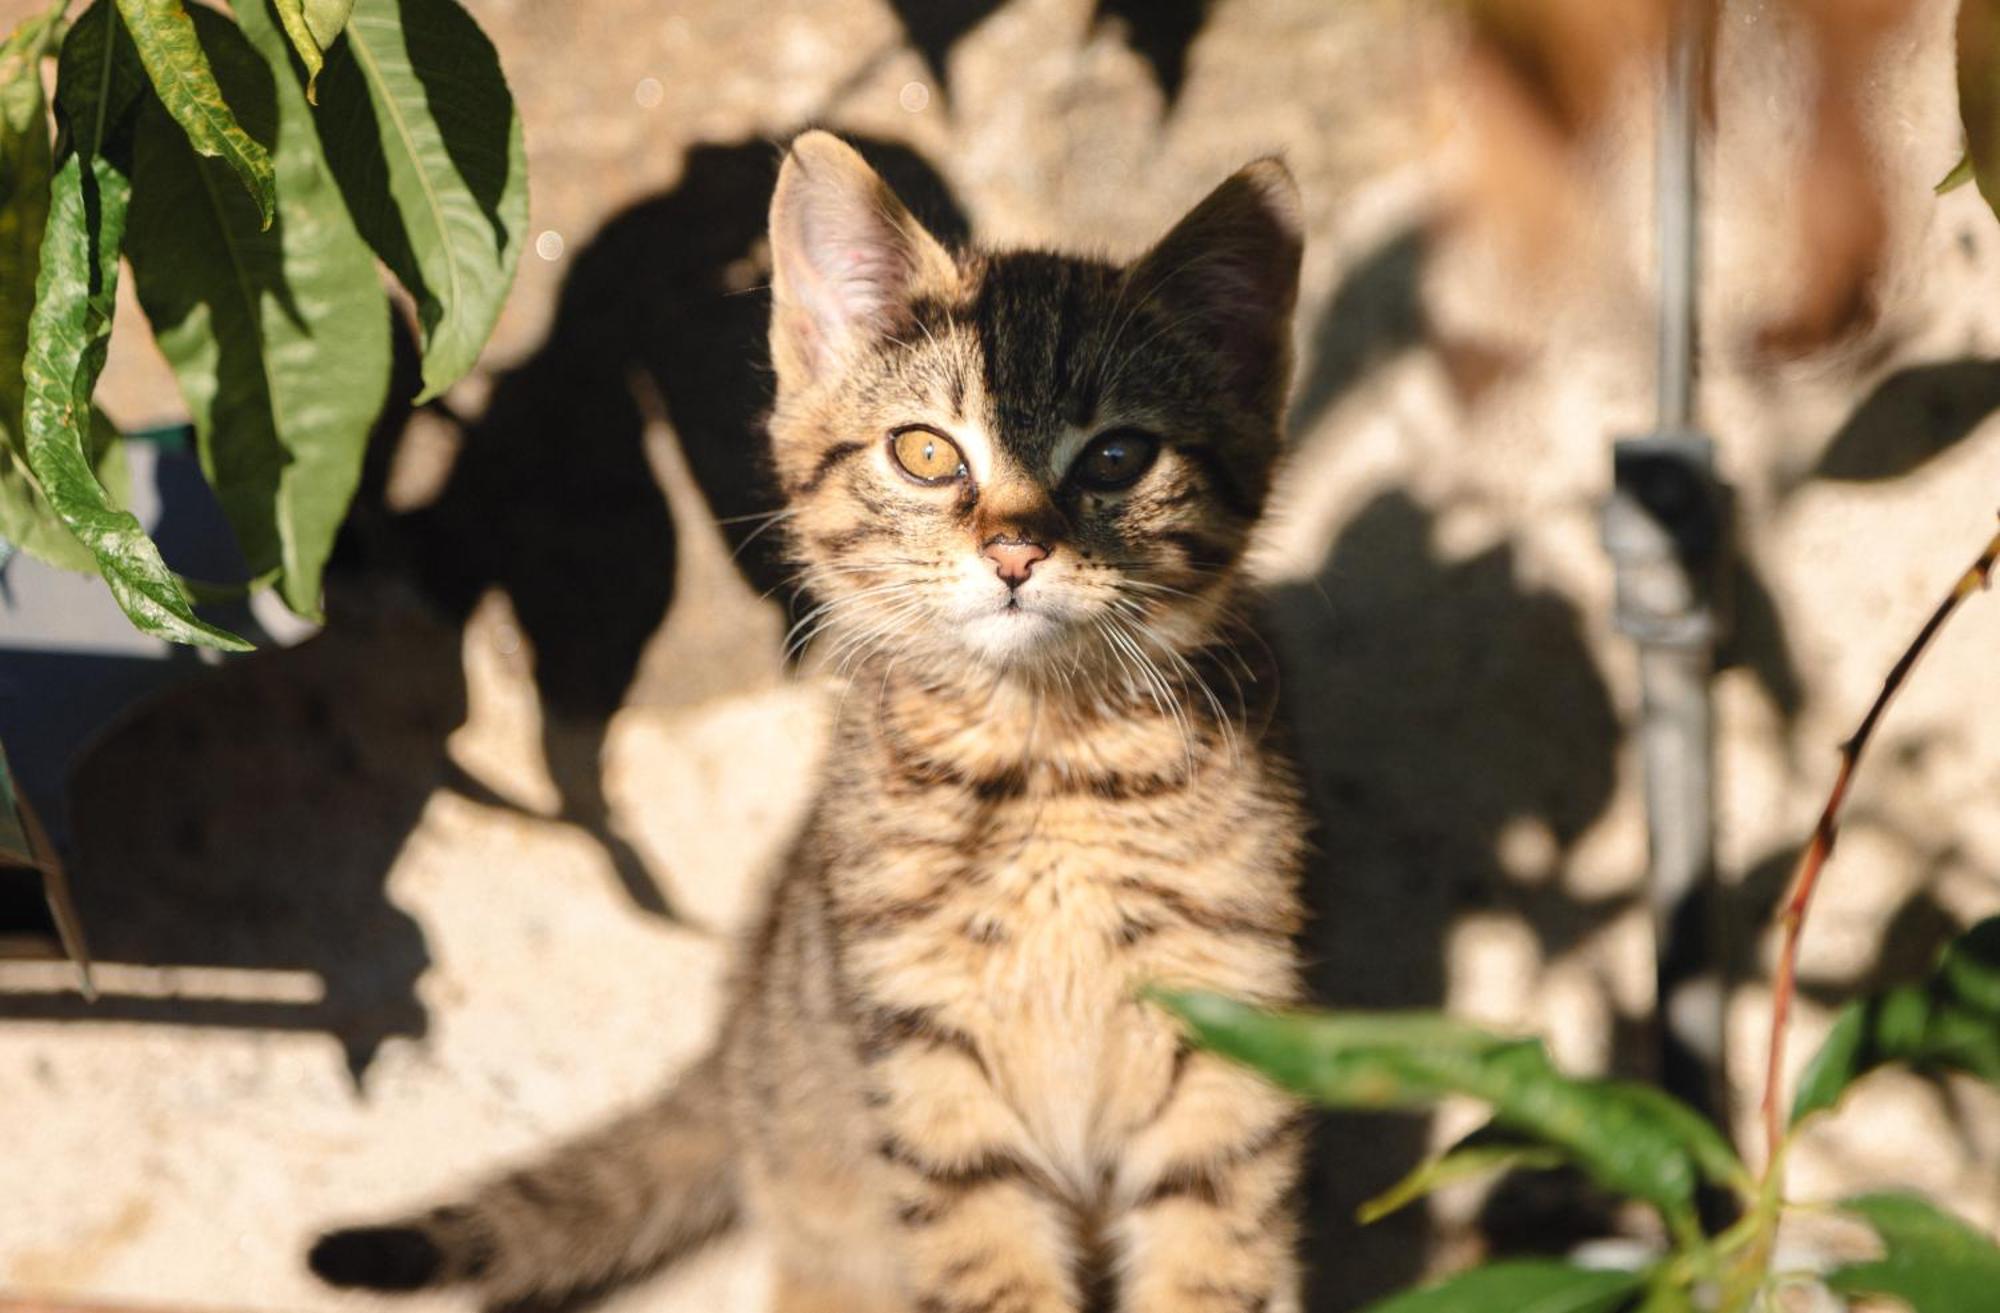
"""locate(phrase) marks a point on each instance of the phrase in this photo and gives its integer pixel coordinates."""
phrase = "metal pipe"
(1675, 202)
(1666, 532)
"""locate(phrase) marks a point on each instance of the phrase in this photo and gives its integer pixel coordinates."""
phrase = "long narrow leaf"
(1522, 1286)
(23, 842)
(1979, 95)
(15, 847)
(164, 33)
(28, 521)
(1486, 1152)
(1949, 1022)
(327, 19)
(1931, 1261)
(422, 134)
(292, 15)
(311, 26)
(1630, 1138)
(26, 161)
(280, 338)
(71, 326)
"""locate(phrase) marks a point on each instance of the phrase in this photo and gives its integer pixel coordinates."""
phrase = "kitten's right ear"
(846, 258)
(1230, 270)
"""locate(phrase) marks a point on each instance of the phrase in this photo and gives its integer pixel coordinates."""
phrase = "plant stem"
(1805, 877)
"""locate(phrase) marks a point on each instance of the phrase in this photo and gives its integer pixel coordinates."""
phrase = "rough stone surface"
(404, 902)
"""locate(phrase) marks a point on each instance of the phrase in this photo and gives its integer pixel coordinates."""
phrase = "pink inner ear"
(862, 285)
(847, 265)
(845, 254)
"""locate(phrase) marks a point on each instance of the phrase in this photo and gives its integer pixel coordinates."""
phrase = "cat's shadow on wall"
(1435, 703)
(248, 820)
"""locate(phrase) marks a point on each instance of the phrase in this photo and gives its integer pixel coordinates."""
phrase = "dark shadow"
(247, 819)
(351, 140)
(1159, 32)
(1755, 640)
(468, 99)
(551, 499)
(1547, 1213)
(1374, 314)
(1434, 703)
(934, 27)
(1914, 415)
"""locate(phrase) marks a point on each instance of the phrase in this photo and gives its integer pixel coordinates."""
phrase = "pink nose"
(1013, 558)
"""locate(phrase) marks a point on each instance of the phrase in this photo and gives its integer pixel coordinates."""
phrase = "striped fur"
(938, 1090)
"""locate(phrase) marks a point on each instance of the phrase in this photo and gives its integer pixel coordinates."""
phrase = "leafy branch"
(1641, 1142)
(252, 170)
(1812, 861)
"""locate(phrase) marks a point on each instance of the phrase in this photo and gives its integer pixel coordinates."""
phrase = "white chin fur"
(1009, 636)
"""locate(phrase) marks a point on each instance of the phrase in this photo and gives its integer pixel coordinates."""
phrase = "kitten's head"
(1023, 461)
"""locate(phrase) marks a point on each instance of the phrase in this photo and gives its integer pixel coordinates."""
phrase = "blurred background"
(391, 903)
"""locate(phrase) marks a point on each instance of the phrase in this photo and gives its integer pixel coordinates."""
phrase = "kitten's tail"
(610, 1204)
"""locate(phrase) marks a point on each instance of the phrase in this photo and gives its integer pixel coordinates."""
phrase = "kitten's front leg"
(983, 1230)
(1208, 1221)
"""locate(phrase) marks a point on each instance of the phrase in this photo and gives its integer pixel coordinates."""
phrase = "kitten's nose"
(1014, 558)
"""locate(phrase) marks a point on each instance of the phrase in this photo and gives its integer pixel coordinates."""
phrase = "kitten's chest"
(1034, 933)
(1052, 996)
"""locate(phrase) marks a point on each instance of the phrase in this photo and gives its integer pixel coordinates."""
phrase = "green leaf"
(1932, 1261)
(26, 161)
(1521, 1286)
(28, 521)
(422, 134)
(1629, 1137)
(292, 15)
(312, 26)
(14, 845)
(98, 79)
(1485, 1152)
(164, 33)
(71, 326)
(1961, 173)
(327, 19)
(23, 842)
(1979, 93)
(1969, 968)
(1666, 1298)
(279, 336)
(1950, 1022)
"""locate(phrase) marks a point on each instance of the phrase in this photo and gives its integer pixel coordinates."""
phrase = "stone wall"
(397, 904)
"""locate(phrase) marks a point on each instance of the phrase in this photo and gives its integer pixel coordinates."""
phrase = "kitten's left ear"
(847, 257)
(1231, 268)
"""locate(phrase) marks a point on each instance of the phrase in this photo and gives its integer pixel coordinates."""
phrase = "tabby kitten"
(1020, 485)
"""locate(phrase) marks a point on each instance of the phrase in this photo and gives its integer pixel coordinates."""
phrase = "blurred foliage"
(1642, 1143)
(252, 170)
(1720, 1220)
(1949, 1021)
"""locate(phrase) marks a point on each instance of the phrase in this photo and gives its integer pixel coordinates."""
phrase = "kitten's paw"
(377, 1258)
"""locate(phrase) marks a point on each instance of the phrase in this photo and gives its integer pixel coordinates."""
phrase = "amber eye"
(1115, 460)
(927, 456)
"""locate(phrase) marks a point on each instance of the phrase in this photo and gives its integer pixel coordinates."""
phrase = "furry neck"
(1166, 721)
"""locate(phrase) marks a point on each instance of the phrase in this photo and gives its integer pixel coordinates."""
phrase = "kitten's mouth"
(1012, 629)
